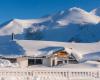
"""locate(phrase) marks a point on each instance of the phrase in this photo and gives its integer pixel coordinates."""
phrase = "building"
(26, 54)
(54, 58)
(48, 53)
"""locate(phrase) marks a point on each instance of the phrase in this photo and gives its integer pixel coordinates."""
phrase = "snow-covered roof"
(82, 51)
(10, 49)
(27, 48)
(39, 48)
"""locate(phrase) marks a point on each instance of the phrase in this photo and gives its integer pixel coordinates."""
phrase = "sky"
(29, 9)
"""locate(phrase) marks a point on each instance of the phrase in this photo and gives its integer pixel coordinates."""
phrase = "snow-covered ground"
(87, 64)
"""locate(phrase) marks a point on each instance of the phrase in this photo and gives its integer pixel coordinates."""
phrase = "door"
(53, 62)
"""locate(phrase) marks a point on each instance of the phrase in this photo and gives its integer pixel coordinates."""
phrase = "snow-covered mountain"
(96, 11)
(78, 16)
(73, 24)
(17, 25)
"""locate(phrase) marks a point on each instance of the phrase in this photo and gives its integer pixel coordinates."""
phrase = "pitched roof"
(18, 48)
(11, 49)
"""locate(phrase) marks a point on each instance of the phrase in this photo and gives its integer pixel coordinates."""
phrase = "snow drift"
(7, 63)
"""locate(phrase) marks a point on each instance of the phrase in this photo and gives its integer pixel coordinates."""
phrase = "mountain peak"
(96, 11)
(78, 16)
(76, 9)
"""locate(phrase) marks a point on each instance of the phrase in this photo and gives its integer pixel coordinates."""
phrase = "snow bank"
(93, 63)
(91, 56)
(7, 63)
(78, 66)
(87, 57)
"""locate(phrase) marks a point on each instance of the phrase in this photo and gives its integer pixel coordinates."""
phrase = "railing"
(49, 74)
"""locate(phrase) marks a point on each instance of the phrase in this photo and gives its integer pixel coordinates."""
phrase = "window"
(59, 62)
(66, 61)
(38, 61)
(34, 61)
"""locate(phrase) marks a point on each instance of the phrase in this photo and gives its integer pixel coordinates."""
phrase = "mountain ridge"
(66, 25)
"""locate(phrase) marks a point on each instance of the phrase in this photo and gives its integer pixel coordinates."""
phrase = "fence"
(49, 74)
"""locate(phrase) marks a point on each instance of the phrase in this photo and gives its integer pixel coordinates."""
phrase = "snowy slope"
(69, 25)
(87, 33)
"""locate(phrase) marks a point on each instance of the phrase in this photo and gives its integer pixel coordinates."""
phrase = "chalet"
(26, 54)
(47, 53)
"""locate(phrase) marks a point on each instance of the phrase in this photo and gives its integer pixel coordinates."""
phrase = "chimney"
(13, 36)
